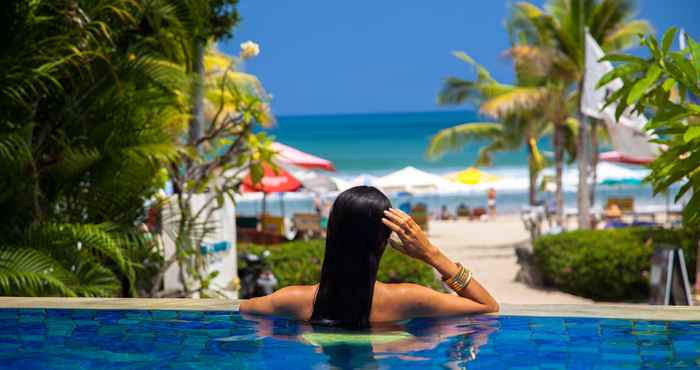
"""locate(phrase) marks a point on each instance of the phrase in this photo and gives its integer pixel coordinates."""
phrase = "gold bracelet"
(460, 280)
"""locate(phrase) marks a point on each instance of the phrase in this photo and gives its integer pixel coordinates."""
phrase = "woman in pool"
(348, 294)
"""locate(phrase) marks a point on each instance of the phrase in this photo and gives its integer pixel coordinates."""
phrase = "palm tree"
(550, 43)
(515, 107)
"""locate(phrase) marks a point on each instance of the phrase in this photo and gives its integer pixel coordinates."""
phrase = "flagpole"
(583, 162)
(582, 158)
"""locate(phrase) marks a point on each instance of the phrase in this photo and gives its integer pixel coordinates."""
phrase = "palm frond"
(626, 35)
(72, 238)
(518, 98)
(536, 161)
(95, 280)
(454, 138)
(570, 136)
(485, 157)
(26, 271)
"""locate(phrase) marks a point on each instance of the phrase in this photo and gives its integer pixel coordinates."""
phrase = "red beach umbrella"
(288, 155)
(279, 181)
(273, 181)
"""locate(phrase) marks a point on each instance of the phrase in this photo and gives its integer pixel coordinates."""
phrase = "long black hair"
(355, 242)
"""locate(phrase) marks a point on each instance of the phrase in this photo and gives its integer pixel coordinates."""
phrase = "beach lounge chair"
(419, 213)
(625, 204)
(627, 207)
(245, 227)
(463, 211)
(307, 225)
(478, 212)
(277, 226)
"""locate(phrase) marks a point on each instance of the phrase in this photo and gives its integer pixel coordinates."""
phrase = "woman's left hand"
(415, 241)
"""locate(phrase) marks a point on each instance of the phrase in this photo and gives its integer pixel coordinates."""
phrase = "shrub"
(608, 265)
(299, 263)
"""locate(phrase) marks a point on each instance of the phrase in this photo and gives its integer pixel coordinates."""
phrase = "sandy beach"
(488, 249)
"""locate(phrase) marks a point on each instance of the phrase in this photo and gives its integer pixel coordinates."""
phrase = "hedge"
(608, 265)
(299, 263)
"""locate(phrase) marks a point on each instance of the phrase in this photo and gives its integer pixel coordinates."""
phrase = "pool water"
(73, 339)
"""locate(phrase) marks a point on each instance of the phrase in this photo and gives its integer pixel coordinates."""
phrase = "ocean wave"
(516, 179)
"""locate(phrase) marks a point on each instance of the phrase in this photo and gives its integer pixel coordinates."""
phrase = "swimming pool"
(87, 338)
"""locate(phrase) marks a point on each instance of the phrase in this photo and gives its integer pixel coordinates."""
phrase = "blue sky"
(321, 56)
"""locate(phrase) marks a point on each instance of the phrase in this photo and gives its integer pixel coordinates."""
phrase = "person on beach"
(444, 213)
(491, 202)
(325, 213)
(317, 204)
(348, 295)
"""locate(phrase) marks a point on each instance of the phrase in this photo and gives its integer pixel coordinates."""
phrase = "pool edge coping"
(612, 311)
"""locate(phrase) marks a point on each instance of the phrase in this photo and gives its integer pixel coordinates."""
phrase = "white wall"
(225, 262)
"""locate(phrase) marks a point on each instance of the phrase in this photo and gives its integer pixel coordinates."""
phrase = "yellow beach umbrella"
(472, 176)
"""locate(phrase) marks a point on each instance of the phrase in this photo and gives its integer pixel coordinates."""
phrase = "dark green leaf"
(641, 86)
(668, 38)
(694, 52)
(692, 133)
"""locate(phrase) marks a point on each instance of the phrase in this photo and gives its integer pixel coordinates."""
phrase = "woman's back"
(390, 302)
(348, 294)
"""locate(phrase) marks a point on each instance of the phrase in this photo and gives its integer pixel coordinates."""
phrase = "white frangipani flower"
(249, 49)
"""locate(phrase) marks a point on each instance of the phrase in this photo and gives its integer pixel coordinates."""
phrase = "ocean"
(380, 143)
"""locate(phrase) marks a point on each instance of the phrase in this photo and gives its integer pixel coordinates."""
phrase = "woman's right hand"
(414, 241)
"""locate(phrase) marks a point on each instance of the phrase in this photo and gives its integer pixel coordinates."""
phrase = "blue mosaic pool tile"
(58, 313)
(217, 325)
(628, 358)
(553, 366)
(32, 312)
(109, 315)
(128, 322)
(109, 330)
(138, 314)
(83, 314)
(37, 328)
(85, 331)
(163, 315)
(9, 347)
(190, 315)
(154, 339)
(31, 319)
(59, 331)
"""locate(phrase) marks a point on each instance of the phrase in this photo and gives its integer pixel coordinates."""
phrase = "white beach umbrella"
(412, 180)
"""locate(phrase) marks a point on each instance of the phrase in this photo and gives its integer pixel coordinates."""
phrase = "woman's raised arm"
(414, 243)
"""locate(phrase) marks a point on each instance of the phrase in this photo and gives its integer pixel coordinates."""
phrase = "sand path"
(487, 248)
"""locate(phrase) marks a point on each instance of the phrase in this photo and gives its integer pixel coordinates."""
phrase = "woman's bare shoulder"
(294, 294)
(294, 302)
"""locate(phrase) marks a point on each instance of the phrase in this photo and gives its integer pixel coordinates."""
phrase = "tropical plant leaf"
(26, 271)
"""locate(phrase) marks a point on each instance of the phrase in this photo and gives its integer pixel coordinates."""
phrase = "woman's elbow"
(493, 307)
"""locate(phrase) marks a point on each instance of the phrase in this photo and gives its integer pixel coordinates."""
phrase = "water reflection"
(416, 341)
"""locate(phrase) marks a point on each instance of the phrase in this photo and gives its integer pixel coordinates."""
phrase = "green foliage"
(94, 99)
(299, 263)
(548, 49)
(607, 265)
(666, 85)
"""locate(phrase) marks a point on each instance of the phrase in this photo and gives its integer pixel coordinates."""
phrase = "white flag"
(593, 98)
(627, 134)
